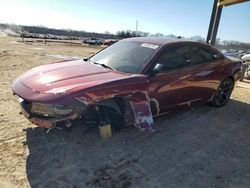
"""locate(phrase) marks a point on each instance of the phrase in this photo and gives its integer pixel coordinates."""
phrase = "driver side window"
(174, 57)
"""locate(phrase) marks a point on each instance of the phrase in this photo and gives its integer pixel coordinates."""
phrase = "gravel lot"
(198, 147)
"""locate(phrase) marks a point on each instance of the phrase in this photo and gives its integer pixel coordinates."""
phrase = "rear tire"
(223, 93)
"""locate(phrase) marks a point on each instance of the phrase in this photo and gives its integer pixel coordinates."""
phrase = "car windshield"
(125, 56)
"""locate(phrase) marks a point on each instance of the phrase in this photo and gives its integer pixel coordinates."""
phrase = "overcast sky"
(179, 17)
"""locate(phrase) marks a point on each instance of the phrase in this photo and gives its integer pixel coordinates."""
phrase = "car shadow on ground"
(202, 147)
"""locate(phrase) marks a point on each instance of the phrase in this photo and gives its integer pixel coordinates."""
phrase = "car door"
(205, 74)
(170, 87)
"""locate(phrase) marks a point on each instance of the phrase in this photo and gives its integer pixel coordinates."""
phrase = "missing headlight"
(50, 110)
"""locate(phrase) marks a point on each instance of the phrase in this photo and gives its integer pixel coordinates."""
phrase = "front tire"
(223, 93)
(111, 116)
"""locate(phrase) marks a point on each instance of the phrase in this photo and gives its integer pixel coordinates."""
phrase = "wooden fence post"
(22, 36)
(45, 39)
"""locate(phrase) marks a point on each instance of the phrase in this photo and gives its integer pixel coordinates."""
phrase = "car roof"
(161, 41)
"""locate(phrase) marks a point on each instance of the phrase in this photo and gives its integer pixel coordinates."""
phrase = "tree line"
(119, 35)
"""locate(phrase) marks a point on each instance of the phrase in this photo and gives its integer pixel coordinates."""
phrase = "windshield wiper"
(103, 65)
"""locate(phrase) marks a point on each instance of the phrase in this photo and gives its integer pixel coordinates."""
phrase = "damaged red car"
(127, 83)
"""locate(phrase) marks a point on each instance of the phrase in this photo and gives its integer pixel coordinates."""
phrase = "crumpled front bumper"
(43, 121)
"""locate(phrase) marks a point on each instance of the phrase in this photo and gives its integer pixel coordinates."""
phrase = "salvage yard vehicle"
(127, 83)
(109, 41)
(245, 67)
(93, 40)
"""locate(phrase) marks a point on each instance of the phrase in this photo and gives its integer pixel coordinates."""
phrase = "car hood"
(70, 76)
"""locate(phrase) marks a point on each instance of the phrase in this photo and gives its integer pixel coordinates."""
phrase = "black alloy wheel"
(223, 93)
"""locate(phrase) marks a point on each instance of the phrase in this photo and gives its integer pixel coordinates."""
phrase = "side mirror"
(158, 68)
(215, 56)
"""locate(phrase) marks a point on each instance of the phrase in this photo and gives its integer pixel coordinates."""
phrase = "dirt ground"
(200, 147)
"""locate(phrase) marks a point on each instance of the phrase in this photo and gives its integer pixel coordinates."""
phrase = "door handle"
(200, 74)
(203, 73)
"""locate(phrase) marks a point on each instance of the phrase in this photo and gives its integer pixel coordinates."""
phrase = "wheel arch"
(121, 106)
(133, 107)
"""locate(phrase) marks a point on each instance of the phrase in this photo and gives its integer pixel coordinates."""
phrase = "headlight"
(50, 110)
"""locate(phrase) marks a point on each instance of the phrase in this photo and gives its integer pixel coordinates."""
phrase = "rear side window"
(201, 55)
(174, 57)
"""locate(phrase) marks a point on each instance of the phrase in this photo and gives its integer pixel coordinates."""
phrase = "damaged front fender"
(135, 109)
(142, 112)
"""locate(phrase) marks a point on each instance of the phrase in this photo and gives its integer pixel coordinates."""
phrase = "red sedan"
(127, 83)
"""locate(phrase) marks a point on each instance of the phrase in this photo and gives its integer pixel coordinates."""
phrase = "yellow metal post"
(105, 131)
(230, 2)
(215, 18)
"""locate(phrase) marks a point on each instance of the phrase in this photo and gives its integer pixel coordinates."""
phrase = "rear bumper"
(237, 75)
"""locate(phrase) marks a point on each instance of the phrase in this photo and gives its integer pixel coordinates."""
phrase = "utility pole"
(136, 28)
